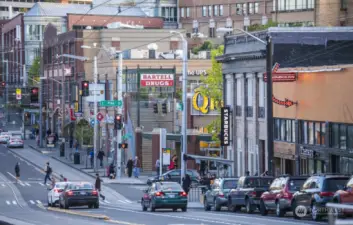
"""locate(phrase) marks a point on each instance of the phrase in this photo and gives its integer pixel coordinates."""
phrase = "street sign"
(78, 114)
(126, 136)
(100, 116)
(92, 123)
(179, 106)
(18, 94)
(111, 103)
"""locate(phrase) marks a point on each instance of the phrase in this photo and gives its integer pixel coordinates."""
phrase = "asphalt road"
(131, 192)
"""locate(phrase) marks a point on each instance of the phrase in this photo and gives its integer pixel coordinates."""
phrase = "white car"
(4, 138)
(54, 193)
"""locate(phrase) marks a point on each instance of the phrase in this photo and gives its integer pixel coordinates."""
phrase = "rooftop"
(46, 9)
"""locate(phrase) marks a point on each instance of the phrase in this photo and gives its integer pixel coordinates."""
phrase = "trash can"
(62, 149)
(76, 158)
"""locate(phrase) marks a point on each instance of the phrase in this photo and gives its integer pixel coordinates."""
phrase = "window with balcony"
(204, 10)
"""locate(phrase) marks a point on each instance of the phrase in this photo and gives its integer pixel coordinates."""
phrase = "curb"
(94, 216)
(34, 148)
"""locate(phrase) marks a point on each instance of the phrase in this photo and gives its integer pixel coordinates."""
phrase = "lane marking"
(41, 184)
(106, 201)
(121, 201)
(22, 184)
(128, 201)
(32, 202)
(8, 202)
(27, 184)
(14, 202)
(11, 175)
(3, 185)
(39, 202)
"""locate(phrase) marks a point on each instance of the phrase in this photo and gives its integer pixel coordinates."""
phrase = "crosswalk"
(15, 203)
(23, 184)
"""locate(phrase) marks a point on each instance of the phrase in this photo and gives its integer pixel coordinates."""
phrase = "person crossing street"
(17, 172)
(98, 186)
(48, 171)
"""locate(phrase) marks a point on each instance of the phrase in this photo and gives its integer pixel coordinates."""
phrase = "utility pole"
(95, 75)
(7, 90)
(41, 98)
(63, 100)
(120, 98)
(269, 105)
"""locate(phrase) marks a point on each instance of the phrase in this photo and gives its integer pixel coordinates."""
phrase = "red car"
(279, 196)
(345, 196)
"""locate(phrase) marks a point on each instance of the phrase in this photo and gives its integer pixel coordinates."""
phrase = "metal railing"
(196, 194)
(333, 217)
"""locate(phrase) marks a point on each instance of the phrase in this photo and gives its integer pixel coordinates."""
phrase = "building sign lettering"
(284, 150)
(308, 153)
(225, 126)
(282, 77)
(157, 80)
(203, 105)
(197, 72)
(287, 103)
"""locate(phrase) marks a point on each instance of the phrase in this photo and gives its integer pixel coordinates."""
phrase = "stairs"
(147, 155)
(147, 117)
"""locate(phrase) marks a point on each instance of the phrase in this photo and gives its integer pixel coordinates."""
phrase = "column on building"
(238, 127)
(230, 94)
(261, 127)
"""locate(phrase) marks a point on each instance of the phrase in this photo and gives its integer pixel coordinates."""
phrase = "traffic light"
(85, 88)
(155, 108)
(118, 122)
(34, 94)
(123, 145)
(164, 108)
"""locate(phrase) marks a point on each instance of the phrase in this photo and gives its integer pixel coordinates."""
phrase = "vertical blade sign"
(225, 126)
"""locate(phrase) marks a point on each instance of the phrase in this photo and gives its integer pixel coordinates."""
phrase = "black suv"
(175, 176)
(248, 193)
(316, 192)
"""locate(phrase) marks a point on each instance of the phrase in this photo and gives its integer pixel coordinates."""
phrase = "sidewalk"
(54, 153)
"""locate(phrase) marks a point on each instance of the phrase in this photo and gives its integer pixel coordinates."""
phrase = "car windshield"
(15, 139)
(4, 134)
(171, 187)
(60, 186)
(334, 184)
(82, 186)
(230, 184)
(295, 184)
(258, 182)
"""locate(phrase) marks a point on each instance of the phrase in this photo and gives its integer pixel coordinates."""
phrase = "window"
(261, 93)
(290, 4)
(204, 10)
(245, 9)
(335, 136)
(350, 137)
(343, 136)
(305, 132)
(187, 12)
(293, 131)
(239, 9)
(311, 133)
(250, 91)
(317, 134)
(215, 10)
(256, 7)
(281, 5)
(274, 5)
(301, 4)
(182, 12)
(33, 32)
(288, 130)
(251, 8)
(239, 92)
(323, 133)
(210, 10)
(283, 130)
(277, 129)
(311, 4)
(221, 10)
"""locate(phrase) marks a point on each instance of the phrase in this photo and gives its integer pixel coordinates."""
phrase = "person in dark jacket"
(186, 183)
(112, 171)
(17, 172)
(98, 186)
(129, 166)
(100, 156)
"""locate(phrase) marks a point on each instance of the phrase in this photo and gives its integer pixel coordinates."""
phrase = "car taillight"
(183, 194)
(326, 194)
(159, 194)
(220, 194)
(95, 193)
(253, 194)
(58, 190)
(69, 193)
(287, 195)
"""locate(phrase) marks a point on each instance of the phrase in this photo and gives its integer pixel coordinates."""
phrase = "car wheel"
(216, 207)
(184, 209)
(231, 208)
(144, 208)
(294, 206)
(49, 204)
(279, 212)
(66, 205)
(248, 207)
(96, 205)
(51, 201)
(315, 213)
(90, 206)
(60, 205)
(153, 209)
(205, 205)
(263, 209)
(175, 209)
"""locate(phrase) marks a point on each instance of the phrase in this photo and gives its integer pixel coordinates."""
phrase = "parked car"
(279, 196)
(175, 176)
(248, 193)
(15, 142)
(79, 194)
(4, 137)
(54, 193)
(217, 195)
(344, 196)
(316, 192)
(164, 195)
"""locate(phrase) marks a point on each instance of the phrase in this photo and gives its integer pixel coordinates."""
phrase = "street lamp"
(184, 113)
(119, 93)
(269, 60)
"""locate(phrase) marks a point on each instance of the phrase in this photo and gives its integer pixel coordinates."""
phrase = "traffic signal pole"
(7, 91)
(120, 97)
(95, 71)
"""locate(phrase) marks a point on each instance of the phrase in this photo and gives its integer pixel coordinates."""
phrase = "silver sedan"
(15, 143)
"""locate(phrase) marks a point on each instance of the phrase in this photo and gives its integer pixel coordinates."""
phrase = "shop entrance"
(284, 166)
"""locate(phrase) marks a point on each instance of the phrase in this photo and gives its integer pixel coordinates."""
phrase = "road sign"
(126, 136)
(92, 123)
(18, 94)
(111, 103)
(78, 114)
(100, 116)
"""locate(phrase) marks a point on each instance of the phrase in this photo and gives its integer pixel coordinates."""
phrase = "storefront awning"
(177, 137)
(207, 158)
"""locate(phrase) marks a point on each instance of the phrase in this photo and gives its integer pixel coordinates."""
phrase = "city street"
(27, 200)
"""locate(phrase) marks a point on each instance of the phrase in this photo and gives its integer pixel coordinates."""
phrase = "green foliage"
(84, 133)
(178, 94)
(34, 72)
(259, 27)
(207, 45)
(213, 88)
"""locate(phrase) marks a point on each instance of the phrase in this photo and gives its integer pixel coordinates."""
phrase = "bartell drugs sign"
(157, 80)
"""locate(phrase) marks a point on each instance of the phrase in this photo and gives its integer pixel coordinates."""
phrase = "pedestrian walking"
(98, 186)
(186, 183)
(17, 172)
(129, 166)
(158, 167)
(48, 171)
(136, 167)
(100, 156)
(91, 157)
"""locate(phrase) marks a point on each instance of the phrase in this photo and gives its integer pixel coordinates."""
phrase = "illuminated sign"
(287, 103)
(157, 80)
(225, 126)
(282, 77)
(197, 72)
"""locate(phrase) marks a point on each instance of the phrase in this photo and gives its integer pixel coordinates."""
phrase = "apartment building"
(205, 16)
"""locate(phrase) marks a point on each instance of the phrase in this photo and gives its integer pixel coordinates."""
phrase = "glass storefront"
(310, 166)
(346, 165)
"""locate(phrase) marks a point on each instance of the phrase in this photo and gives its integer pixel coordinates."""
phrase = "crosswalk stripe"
(106, 201)
(128, 201)
(39, 202)
(32, 202)
(3, 185)
(41, 184)
(27, 184)
(8, 202)
(14, 202)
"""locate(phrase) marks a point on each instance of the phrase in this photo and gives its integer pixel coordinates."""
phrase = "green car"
(164, 195)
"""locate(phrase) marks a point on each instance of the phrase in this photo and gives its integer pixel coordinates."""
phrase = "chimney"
(10, 12)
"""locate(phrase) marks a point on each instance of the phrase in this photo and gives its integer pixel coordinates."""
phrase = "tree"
(207, 45)
(34, 71)
(213, 88)
(84, 133)
(259, 27)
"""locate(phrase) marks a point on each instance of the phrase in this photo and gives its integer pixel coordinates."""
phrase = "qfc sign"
(18, 94)
(225, 126)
